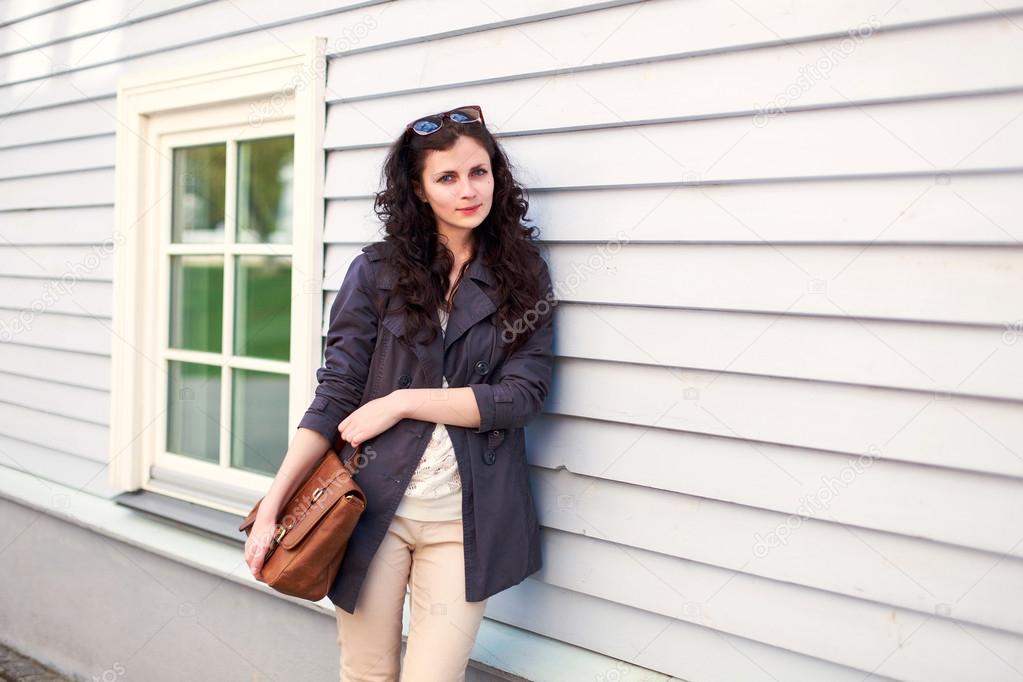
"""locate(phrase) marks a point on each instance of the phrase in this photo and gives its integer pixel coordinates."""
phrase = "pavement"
(17, 667)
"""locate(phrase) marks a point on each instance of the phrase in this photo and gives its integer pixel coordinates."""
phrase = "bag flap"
(333, 493)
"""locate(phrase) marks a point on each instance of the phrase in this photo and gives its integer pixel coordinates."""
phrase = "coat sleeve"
(351, 338)
(521, 384)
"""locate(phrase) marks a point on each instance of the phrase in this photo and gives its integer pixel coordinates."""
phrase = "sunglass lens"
(464, 116)
(426, 126)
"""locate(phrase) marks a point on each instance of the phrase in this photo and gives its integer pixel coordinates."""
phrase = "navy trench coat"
(364, 360)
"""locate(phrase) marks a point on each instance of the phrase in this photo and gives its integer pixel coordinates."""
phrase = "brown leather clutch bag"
(311, 535)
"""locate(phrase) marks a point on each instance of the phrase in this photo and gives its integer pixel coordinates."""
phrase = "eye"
(443, 178)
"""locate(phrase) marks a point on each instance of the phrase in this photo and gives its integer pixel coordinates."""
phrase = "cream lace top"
(435, 491)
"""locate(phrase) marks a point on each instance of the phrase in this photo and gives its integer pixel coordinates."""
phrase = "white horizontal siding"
(928, 428)
(75, 334)
(22, 30)
(680, 533)
(87, 68)
(851, 631)
(193, 26)
(13, 11)
(792, 480)
(659, 642)
(977, 208)
(58, 364)
(50, 430)
(787, 297)
(48, 158)
(36, 292)
(723, 84)
(58, 397)
(33, 227)
(82, 262)
(934, 137)
(834, 349)
(640, 32)
(47, 464)
(78, 188)
(977, 285)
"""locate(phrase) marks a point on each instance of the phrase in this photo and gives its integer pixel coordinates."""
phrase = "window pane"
(265, 169)
(193, 410)
(197, 214)
(259, 429)
(197, 302)
(262, 323)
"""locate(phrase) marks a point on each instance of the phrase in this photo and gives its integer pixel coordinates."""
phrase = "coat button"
(404, 380)
(482, 366)
(489, 456)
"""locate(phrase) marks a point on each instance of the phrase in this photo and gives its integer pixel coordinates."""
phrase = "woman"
(439, 352)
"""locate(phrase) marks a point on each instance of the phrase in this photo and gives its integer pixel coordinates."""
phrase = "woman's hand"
(373, 418)
(259, 541)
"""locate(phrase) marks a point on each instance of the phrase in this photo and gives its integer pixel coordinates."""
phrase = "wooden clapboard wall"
(785, 438)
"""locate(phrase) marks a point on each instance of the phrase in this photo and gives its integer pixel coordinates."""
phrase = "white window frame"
(264, 93)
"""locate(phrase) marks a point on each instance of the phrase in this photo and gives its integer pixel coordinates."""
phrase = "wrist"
(400, 402)
(268, 509)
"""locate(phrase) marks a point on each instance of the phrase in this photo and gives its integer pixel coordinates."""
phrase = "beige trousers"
(427, 558)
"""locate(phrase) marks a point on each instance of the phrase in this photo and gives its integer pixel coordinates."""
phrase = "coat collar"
(472, 304)
(477, 270)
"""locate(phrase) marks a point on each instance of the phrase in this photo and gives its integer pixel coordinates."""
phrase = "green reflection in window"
(262, 326)
(197, 303)
(265, 170)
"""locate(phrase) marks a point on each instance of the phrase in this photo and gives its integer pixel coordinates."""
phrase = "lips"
(469, 210)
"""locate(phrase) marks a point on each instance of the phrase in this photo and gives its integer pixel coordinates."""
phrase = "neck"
(460, 244)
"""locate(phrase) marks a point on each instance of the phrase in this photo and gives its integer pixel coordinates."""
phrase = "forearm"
(455, 406)
(307, 447)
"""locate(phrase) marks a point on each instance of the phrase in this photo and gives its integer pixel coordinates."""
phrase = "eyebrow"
(444, 172)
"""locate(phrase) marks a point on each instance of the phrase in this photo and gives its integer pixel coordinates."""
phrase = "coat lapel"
(471, 305)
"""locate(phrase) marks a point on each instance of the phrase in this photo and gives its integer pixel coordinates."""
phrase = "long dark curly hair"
(420, 258)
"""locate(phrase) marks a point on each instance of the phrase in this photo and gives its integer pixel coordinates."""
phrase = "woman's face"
(456, 179)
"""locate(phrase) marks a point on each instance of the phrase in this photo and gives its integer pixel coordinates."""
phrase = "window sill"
(213, 521)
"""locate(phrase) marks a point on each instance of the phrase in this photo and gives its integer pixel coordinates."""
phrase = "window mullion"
(230, 282)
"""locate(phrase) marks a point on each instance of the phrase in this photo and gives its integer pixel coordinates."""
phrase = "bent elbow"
(509, 404)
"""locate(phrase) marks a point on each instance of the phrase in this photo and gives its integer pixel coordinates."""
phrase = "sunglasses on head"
(433, 123)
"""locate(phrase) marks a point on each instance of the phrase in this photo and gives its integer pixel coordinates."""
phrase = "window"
(228, 292)
(218, 272)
